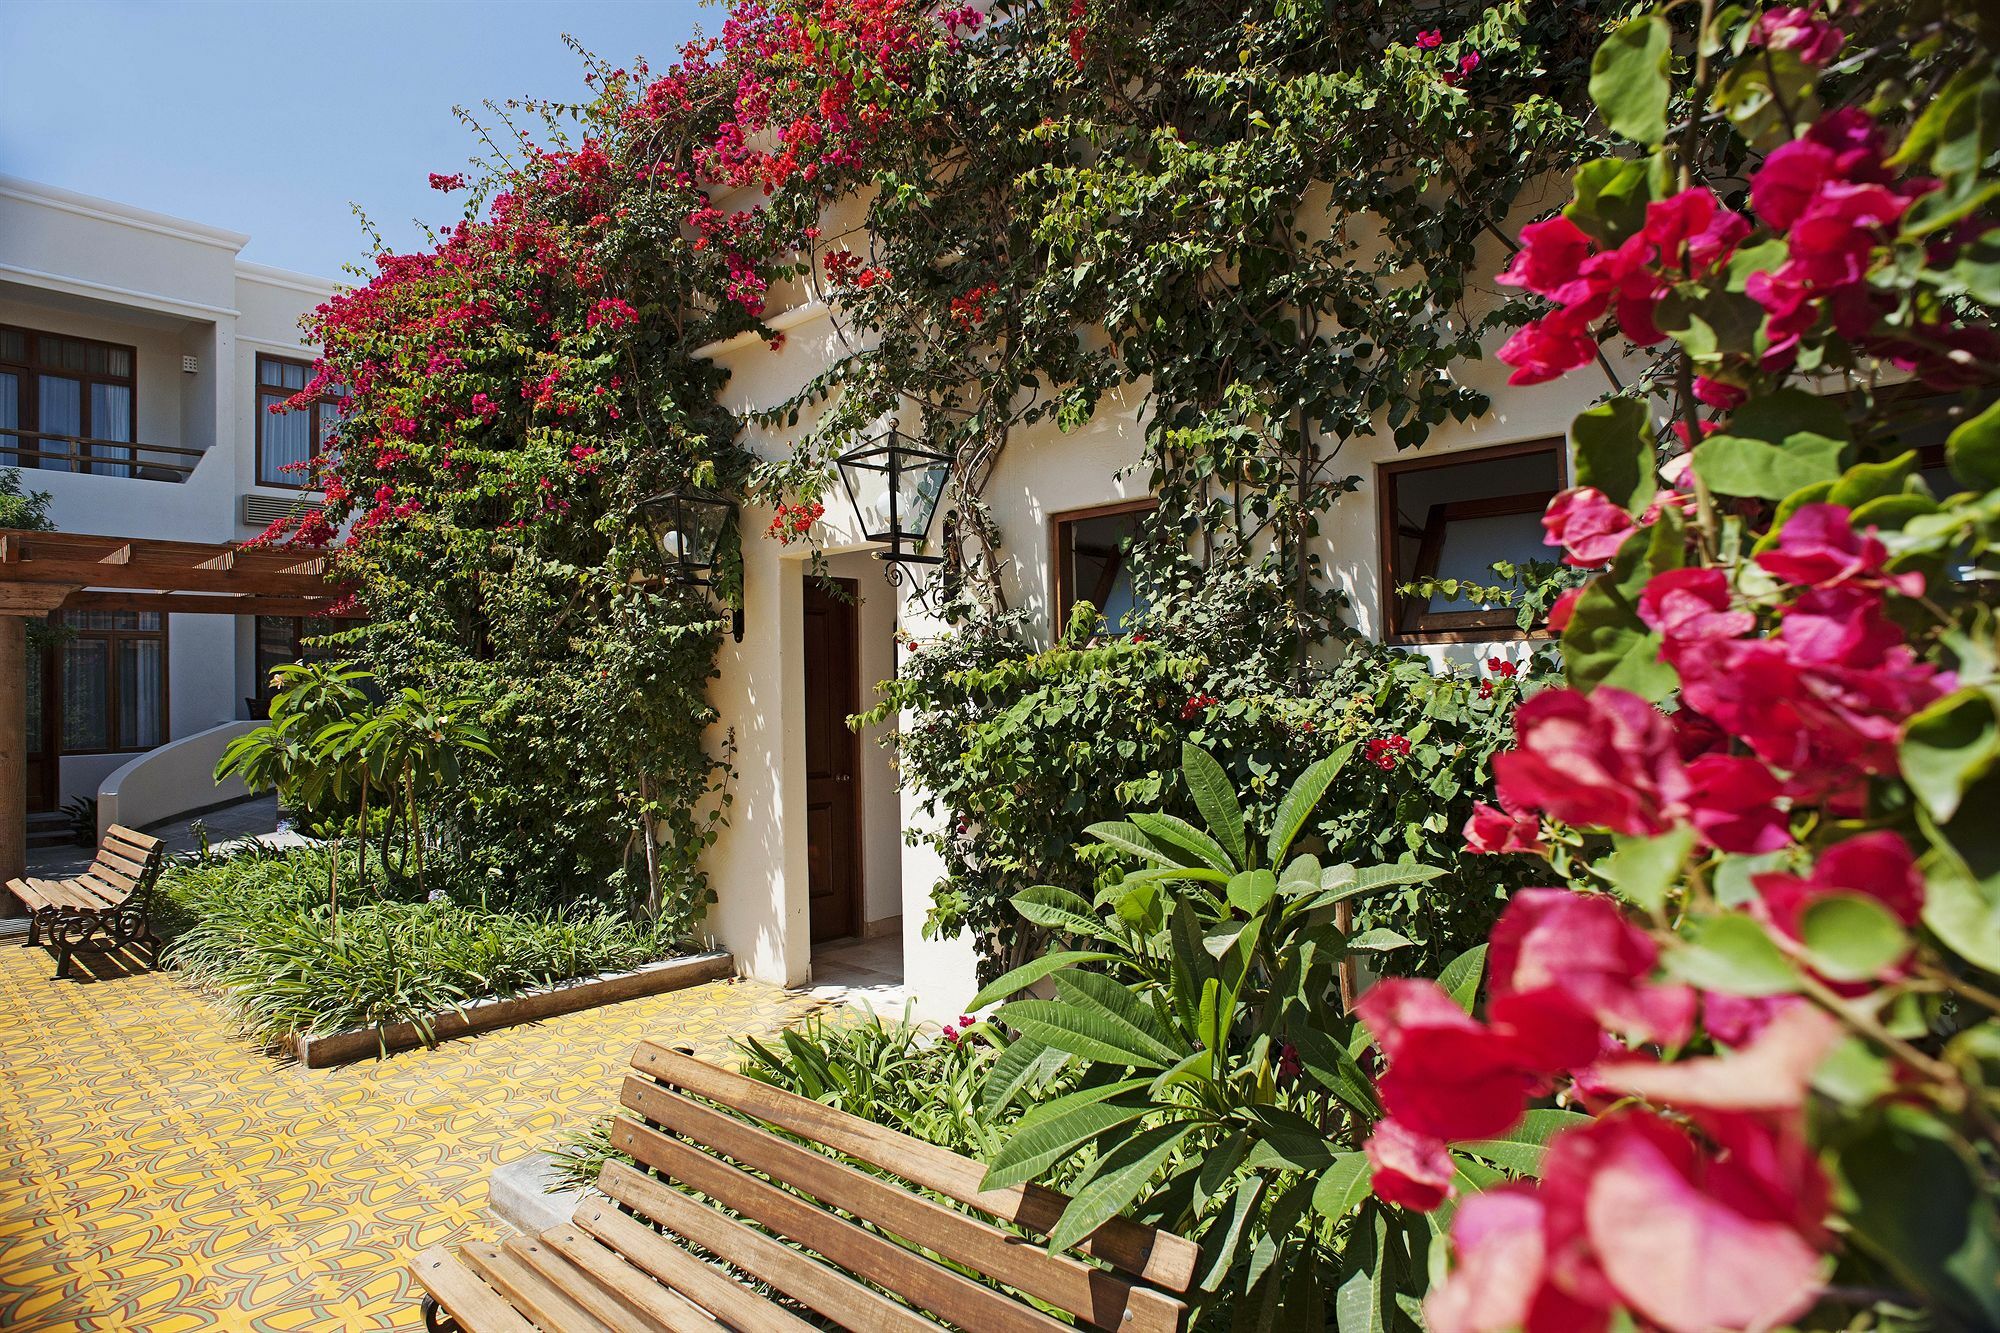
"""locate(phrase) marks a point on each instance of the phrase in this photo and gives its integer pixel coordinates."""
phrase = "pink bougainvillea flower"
(1412, 1170)
(1549, 347)
(1587, 525)
(1819, 548)
(1563, 608)
(1788, 179)
(1430, 39)
(1492, 831)
(1562, 965)
(1502, 1280)
(1689, 1240)
(1552, 251)
(1468, 62)
(1448, 1075)
(1796, 28)
(1731, 802)
(1771, 1073)
(1693, 604)
(1736, 1020)
(1600, 760)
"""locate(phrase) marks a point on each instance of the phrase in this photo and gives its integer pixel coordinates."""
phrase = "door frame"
(851, 742)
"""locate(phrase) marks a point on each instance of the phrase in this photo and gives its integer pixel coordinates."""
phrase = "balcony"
(34, 451)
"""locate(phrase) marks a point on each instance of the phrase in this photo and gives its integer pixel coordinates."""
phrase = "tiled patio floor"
(158, 1174)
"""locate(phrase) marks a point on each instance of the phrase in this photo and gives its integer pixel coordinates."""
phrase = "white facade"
(759, 867)
(195, 316)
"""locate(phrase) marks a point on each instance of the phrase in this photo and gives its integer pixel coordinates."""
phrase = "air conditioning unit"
(261, 511)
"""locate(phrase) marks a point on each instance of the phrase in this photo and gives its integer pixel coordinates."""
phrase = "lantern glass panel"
(865, 475)
(919, 484)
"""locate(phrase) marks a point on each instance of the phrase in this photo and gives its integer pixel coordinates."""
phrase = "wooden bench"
(782, 1255)
(104, 908)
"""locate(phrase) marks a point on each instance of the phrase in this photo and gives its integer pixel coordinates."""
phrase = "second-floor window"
(289, 442)
(1091, 562)
(66, 404)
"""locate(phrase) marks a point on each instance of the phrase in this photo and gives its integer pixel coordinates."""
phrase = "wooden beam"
(33, 599)
(147, 576)
(99, 599)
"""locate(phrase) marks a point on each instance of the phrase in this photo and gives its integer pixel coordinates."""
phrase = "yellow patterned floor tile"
(159, 1175)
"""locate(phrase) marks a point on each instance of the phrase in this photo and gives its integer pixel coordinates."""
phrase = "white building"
(136, 353)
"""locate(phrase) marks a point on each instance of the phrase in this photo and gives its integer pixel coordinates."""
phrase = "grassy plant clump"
(257, 929)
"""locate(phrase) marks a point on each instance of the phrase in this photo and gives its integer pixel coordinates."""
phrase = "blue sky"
(270, 118)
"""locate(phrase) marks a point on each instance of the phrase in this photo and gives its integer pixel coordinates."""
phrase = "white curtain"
(287, 442)
(140, 691)
(111, 419)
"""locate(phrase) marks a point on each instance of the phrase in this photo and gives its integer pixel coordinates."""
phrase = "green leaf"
(1299, 802)
(1973, 450)
(1139, 1028)
(1379, 940)
(1605, 642)
(1028, 974)
(1628, 79)
(1251, 891)
(1775, 444)
(1215, 798)
(1175, 835)
(1461, 976)
(1366, 1300)
(1055, 1129)
(1085, 1032)
(1127, 838)
(1119, 1177)
(1342, 882)
(1926, 1209)
(1851, 937)
(1347, 1180)
(1768, 99)
(1329, 1065)
(1288, 1141)
(1948, 747)
(1060, 910)
(1733, 954)
(1614, 449)
(1643, 870)
(1020, 1066)
(1609, 196)
(1521, 1148)
(1960, 909)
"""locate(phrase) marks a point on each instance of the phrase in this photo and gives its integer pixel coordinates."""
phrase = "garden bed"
(338, 1048)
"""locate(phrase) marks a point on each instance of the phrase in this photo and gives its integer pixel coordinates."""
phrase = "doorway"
(44, 780)
(833, 807)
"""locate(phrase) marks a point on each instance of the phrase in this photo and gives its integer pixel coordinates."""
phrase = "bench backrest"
(674, 1128)
(127, 863)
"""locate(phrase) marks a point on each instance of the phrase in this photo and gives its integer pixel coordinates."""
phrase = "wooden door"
(44, 753)
(833, 687)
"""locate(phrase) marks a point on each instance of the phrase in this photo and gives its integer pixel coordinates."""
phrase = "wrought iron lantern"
(688, 525)
(894, 483)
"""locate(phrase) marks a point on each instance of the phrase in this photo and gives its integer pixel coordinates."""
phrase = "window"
(1090, 556)
(288, 442)
(1452, 518)
(66, 404)
(112, 680)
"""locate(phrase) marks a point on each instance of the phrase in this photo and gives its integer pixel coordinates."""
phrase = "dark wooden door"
(833, 687)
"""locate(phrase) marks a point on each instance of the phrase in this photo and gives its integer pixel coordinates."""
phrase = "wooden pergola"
(45, 572)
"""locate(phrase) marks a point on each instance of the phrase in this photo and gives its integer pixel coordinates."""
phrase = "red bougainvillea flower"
(1448, 1076)
(1563, 965)
(1430, 40)
(1385, 752)
(1731, 802)
(1819, 548)
(1689, 1239)
(1601, 760)
(1718, 394)
(1798, 29)
(1693, 604)
(1412, 1170)
(1563, 608)
(1551, 255)
(1502, 1280)
(1492, 831)
(1772, 1073)
(1589, 528)
(1875, 865)
(1549, 347)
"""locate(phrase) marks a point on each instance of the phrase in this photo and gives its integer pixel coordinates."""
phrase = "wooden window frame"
(28, 405)
(1061, 595)
(111, 638)
(1408, 620)
(260, 391)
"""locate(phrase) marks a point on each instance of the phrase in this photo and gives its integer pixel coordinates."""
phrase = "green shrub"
(257, 929)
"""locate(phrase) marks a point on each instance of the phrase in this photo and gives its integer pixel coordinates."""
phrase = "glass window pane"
(141, 691)
(295, 375)
(287, 445)
(269, 371)
(86, 695)
(149, 621)
(60, 403)
(111, 419)
(1471, 546)
(118, 362)
(13, 345)
(10, 417)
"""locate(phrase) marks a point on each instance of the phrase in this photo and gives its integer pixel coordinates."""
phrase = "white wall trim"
(109, 210)
(59, 282)
(785, 320)
(291, 280)
(309, 348)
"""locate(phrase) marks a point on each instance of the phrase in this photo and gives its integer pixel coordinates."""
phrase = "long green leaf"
(1013, 1070)
(1301, 800)
(1175, 835)
(1089, 1033)
(1461, 976)
(1127, 838)
(1117, 1181)
(1137, 1023)
(1061, 911)
(1521, 1148)
(1055, 1129)
(1343, 1185)
(1028, 974)
(1215, 797)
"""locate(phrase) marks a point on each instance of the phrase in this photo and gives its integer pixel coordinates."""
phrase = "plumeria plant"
(1766, 796)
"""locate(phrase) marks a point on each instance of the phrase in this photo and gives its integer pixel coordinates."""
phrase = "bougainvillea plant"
(1764, 977)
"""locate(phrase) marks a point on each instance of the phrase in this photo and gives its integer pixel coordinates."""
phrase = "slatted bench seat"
(105, 907)
(624, 1262)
